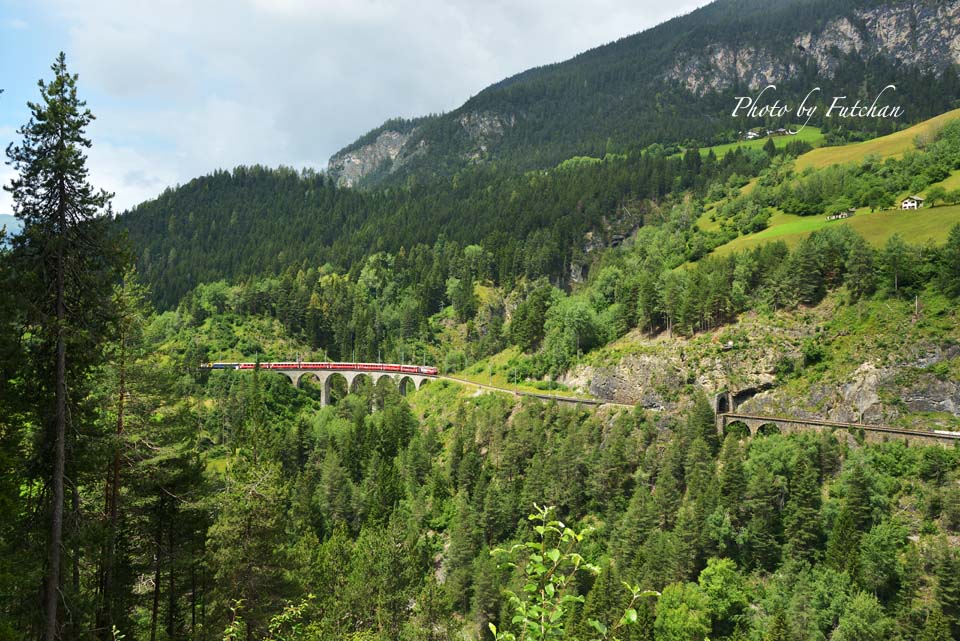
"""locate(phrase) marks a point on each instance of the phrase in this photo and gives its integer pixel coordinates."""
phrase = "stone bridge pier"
(324, 378)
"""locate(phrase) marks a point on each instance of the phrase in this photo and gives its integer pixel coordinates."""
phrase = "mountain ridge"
(675, 81)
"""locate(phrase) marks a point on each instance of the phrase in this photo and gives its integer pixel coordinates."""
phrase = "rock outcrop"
(748, 365)
(350, 167)
(483, 129)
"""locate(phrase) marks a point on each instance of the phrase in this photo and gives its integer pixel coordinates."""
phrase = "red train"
(364, 367)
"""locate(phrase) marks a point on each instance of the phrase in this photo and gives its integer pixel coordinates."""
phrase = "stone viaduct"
(762, 425)
(324, 374)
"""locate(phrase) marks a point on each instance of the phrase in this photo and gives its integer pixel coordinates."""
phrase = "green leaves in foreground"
(546, 598)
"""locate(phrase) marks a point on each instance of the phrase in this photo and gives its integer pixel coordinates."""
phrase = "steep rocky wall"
(350, 167)
(922, 35)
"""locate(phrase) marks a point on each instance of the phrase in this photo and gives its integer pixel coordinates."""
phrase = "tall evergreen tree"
(861, 278)
(935, 628)
(898, 262)
(604, 602)
(859, 498)
(764, 525)
(733, 481)
(842, 543)
(65, 258)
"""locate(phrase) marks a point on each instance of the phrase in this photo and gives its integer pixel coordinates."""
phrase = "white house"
(912, 202)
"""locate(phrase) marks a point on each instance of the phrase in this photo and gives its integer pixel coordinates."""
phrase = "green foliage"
(65, 263)
(863, 620)
(683, 613)
(949, 274)
(550, 567)
(726, 593)
(935, 628)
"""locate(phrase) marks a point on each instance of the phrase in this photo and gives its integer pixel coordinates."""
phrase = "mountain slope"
(677, 81)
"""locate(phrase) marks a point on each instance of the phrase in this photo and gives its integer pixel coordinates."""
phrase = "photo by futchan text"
(839, 106)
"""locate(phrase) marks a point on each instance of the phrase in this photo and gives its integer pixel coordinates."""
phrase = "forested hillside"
(256, 220)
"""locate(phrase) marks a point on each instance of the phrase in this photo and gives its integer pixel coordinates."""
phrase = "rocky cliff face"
(350, 167)
(392, 149)
(921, 35)
(483, 129)
(656, 372)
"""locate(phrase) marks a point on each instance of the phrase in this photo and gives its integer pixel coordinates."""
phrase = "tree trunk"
(171, 585)
(52, 581)
(111, 509)
(75, 621)
(193, 598)
(158, 559)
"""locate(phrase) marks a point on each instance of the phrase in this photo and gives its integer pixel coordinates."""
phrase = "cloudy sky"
(183, 87)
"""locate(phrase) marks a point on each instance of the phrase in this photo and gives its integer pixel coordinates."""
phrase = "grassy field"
(916, 227)
(811, 135)
(895, 144)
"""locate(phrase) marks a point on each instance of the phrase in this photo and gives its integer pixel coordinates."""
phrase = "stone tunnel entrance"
(721, 404)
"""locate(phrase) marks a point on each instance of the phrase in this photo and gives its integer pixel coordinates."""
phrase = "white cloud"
(184, 87)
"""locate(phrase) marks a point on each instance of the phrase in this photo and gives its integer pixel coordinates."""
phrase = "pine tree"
(763, 528)
(604, 602)
(462, 551)
(246, 541)
(702, 423)
(770, 148)
(634, 527)
(778, 630)
(130, 379)
(486, 589)
(802, 519)
(66, 263)
(667, 493)
(898, 262)
(642, 630)
(948, 587)
(859, 498)
(842, 543)
(701, 478)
